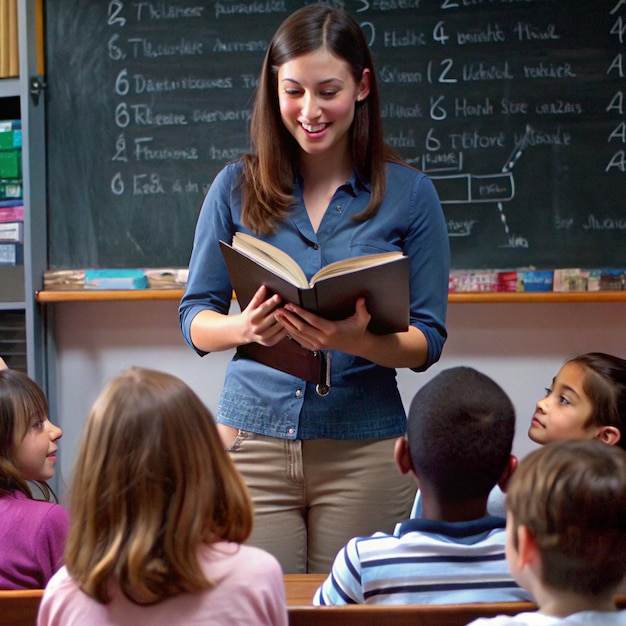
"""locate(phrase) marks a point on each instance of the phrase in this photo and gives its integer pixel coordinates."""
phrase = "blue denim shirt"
(364, 402)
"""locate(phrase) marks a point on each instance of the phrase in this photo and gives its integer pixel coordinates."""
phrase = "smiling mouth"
(314, 128)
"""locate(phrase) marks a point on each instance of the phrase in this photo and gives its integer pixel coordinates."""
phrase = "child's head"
(460, 432)
(587, 400)
(28, 440)
(152, 483)
(567, 500)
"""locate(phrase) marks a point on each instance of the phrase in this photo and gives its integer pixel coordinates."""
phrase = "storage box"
(11, 163)
(12, 231)
(11, 253)
(10, 134)
(10, 188)
(10, 139)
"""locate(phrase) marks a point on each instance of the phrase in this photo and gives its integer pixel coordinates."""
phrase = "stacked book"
(9, 55)
(11, 198)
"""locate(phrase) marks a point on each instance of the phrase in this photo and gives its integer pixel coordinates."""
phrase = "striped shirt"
(424, 562)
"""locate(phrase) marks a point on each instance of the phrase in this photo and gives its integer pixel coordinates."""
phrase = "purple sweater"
(32, 540)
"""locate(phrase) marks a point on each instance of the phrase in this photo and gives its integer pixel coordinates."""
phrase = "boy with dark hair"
(458, 445)
(566, 538)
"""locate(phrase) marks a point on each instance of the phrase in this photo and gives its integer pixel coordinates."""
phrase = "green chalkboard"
(516, 108)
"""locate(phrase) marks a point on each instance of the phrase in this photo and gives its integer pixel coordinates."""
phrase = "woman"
(323, 186)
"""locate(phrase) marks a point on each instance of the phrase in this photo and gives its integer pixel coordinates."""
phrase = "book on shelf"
(11, 253)
(12, 44)
(382, 279)
(11, 211)
(9, 53)
(12, 231)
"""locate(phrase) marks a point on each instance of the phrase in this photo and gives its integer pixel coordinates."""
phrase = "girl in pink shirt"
(159, 515)
(33, 531)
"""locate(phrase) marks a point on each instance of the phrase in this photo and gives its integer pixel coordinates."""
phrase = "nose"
(310, 107)
(55, 432)
(542, 404)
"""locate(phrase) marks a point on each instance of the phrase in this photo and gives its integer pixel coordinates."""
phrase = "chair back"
(19, 608)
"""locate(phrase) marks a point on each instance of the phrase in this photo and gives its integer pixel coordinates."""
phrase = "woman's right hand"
(260, 324)
(212, 331)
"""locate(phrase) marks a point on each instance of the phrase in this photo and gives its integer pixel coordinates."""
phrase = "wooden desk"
(300, 588)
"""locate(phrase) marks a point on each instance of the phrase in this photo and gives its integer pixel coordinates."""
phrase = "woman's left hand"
(316, 333)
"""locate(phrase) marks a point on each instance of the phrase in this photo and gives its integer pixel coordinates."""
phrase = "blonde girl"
(33, 531)
(158, 518)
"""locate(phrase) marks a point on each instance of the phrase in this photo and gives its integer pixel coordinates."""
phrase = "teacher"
(321, 184)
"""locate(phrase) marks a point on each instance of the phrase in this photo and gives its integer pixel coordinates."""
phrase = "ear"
(364, 85)
(527, 550)
(402, 456)
(511, 466)
(609, 435)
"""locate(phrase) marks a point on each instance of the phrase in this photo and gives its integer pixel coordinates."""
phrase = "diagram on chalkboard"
(467, 188)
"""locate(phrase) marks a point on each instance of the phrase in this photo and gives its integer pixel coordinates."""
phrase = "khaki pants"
(311, 496)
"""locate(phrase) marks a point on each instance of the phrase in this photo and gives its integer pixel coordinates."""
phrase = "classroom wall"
(520, 345)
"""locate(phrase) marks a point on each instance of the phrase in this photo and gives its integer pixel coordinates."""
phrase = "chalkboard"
(516, 108)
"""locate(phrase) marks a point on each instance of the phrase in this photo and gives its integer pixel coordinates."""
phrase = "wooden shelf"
(81, 295)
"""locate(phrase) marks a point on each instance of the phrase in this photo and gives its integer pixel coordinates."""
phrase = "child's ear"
(402, 455)
(609, 435)
(511, 466)
(527, 551)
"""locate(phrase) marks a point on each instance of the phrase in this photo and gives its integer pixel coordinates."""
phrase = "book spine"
(13, 46)
(11, 254)
(12, 231)
(10, 213)
(308, 299)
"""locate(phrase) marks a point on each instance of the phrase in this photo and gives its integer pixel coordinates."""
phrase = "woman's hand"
(406, 349)
(316, 333)
(259, 319)
(212, 331)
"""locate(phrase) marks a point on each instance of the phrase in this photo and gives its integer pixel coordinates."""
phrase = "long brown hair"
(21, 400)
(151, 484)
(268, 174)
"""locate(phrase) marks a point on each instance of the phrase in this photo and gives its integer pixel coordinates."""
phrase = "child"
(459, 436)
(587, 400)
(158, 515)
(566, 539)
(32, 532)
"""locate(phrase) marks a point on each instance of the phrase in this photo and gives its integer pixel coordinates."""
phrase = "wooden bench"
(19, 608)
(300, 588)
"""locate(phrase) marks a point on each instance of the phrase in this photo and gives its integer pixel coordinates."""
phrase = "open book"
(382, 279)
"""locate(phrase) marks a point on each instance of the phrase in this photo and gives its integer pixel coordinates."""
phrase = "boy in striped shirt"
(458, 446)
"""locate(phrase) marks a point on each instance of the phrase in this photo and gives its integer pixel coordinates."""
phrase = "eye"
(38, 424)
(290, 91)
(563, 400)
(548, 391)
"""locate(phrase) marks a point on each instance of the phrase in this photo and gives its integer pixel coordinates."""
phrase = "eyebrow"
(321, 82)
(568, 388)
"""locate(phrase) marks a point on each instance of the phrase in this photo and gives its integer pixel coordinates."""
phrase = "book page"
(271, 257)
(354, 264)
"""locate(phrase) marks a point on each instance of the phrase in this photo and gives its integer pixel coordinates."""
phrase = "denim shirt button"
(298, 393)
(291, 431)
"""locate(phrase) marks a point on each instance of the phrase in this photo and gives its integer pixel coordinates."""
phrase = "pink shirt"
(32, 540)
(248, 591)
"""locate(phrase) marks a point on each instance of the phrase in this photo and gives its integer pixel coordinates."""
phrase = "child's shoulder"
(19, 508)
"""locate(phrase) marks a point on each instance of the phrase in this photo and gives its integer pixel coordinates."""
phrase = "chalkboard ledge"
(54, 296)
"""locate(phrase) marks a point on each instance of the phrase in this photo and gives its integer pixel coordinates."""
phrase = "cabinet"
(22, 319)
